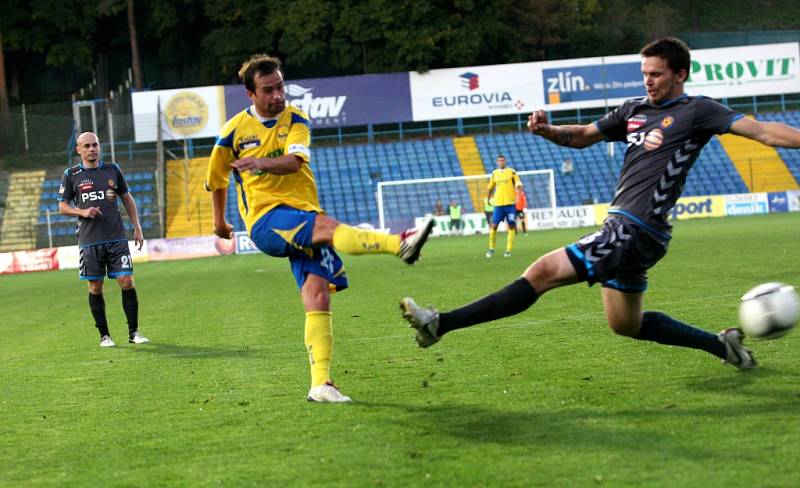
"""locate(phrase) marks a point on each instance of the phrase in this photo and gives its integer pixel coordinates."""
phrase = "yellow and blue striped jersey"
(245, 135)
(504, 183)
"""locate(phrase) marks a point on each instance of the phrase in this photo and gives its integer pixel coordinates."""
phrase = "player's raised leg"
(625, 317)
(353, 240)
(549, 271)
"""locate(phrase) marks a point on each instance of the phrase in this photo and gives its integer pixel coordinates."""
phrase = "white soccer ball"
(769, 311)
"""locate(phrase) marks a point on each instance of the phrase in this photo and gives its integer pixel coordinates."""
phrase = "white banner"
(478, 91)
(768, 69)
(793, 197)
(566, 217)
(475, 91)
(746, 204)
(186, 113)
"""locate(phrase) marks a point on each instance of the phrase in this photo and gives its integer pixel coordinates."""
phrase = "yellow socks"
(319, 343)
(492, 238)
(351, 240)
(510, 241)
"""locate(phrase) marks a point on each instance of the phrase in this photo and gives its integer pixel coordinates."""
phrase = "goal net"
(400, 203)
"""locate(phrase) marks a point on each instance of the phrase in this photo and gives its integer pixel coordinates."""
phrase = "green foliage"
(188, 42)
(549, 397)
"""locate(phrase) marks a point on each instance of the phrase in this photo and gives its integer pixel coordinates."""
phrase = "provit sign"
(745, 71)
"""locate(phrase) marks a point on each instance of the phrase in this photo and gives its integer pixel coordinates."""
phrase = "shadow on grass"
(585, 428)
(194, 351)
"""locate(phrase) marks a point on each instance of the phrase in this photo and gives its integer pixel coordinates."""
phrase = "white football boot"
(137, 338)
(507, 254)
(424, 320)
(106, 341)
(490, 253)
(738, 355)
(412, 240)
(327, 393)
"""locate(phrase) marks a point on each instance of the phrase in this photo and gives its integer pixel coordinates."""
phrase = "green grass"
(549, 397)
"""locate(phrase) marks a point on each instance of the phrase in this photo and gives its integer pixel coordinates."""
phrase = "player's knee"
(624, 326)
(125, 282)
(323, 230)
(95, 287)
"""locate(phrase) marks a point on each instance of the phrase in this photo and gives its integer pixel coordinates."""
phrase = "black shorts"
(112, 258)
(521, 215)
(618, 255)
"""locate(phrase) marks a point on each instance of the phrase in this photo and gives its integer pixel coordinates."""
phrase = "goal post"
(401, 202)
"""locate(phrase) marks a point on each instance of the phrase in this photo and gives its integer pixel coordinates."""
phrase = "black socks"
(663, 329)
(98, 307)
(511, 300)
(130, 304)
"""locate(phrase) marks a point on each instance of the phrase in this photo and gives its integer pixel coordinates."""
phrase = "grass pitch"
(546, 398)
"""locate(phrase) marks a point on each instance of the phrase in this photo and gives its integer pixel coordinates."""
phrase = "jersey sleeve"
(714, 117)
(613, 125)
(65, 191)
(492, 183)
(219, 163)
(122, 185)
(517, 182)
(299, 139)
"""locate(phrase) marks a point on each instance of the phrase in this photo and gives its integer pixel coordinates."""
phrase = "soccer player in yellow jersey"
(266, 146)
(503, 186)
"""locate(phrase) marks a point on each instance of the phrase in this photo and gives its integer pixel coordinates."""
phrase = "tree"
(136, 64)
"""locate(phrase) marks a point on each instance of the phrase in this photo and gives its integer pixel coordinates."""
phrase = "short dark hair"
(671, 49)
(263, 64)
(500, 156)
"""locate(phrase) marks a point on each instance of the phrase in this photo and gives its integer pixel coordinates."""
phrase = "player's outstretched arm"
(281, 165)
(770, 133)
(577, 136)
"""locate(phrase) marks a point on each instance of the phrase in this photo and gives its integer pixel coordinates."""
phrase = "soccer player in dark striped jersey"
(91, 191)
(665, 132)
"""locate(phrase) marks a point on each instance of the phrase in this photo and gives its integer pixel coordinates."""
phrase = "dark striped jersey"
(663, 143)
(96, 187)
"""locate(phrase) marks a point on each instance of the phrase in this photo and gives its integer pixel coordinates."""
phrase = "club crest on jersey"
(666, 122)
(249, 142)
(111, 183)
(653, 139)
(635, 122)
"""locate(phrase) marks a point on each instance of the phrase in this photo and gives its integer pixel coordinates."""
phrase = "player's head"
(665, 68)
(501, 161)
(263, 80)
(88, 146)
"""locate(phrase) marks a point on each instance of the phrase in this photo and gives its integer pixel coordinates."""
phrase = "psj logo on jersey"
(91, 196)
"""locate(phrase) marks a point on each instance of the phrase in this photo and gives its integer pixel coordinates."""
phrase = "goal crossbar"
(383, 185)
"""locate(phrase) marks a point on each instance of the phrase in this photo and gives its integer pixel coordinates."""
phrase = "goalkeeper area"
(400, 203)
(549, 397)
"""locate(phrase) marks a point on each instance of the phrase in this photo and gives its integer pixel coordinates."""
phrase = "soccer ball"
(769, 311)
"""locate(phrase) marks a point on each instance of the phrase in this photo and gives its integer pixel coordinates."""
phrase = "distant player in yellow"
(266, 146)
(503, 186)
